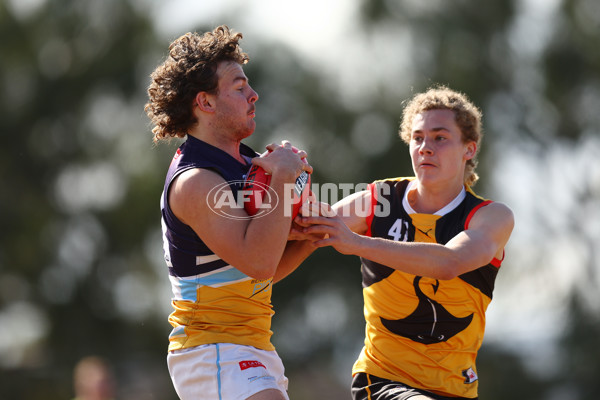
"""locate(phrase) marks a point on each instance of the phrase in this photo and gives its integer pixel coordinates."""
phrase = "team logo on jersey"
(430, 322)
(470, 375)
(260, 286)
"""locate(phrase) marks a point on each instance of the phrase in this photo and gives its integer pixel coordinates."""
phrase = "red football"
(256, 186)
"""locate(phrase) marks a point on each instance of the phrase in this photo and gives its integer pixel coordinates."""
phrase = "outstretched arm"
(488, 233)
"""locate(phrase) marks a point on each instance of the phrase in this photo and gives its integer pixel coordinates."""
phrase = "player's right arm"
(484, 239)
(353, 210)
(253, 246)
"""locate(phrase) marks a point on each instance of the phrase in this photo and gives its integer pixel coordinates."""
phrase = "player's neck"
(428, 199)
(223, 142)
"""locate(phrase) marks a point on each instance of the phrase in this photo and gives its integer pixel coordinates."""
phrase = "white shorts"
(225, 371)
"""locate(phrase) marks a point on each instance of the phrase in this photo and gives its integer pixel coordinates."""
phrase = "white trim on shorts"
(225, 371)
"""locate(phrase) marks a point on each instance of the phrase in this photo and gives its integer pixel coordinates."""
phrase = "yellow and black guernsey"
(421, 331)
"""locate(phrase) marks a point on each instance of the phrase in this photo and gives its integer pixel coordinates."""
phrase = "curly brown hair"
(467, 117)
(190, 67)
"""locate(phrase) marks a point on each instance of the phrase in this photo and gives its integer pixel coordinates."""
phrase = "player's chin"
(429, 181)
(251, 127)
(248, 131)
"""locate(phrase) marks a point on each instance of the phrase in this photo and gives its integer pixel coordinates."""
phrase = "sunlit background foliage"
(81, 269)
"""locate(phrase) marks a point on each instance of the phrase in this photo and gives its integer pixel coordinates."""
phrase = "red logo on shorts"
(251, 364)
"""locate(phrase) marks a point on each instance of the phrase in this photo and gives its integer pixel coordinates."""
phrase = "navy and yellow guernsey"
(213, 301)
(421, 331)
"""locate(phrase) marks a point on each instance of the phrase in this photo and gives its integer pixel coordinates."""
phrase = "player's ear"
(205, 101)
(470, 150)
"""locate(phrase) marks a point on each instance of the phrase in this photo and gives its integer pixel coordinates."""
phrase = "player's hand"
(332, 231)
(311, 207)
(283, 158)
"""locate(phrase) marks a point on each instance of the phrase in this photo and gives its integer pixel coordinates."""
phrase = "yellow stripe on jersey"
(237, 313)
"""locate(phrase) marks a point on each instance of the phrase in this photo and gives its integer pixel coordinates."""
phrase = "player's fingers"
(259, 161)
(318, 230)
(301, 153)
(271, 146)
(296, 234)
(297, 222)
(312, 220)
(330, 219)
(307, 167)
(322, 242)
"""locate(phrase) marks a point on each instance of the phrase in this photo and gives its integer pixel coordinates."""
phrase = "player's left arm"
(485, 239)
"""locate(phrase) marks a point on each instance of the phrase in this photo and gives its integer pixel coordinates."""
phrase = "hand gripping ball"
(257, 183)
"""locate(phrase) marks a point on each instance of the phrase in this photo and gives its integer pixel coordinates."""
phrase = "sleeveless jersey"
(421, 331)
(213, 301)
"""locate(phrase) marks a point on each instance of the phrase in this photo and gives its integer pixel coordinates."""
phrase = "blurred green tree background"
(81, 268)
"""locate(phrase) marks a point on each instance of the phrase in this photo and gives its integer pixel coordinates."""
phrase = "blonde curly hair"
(467, 117)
